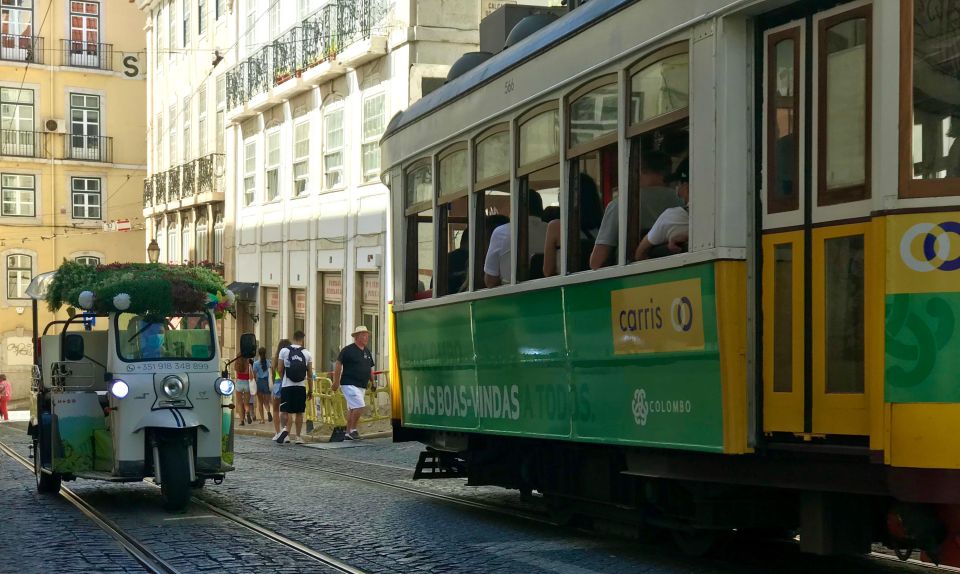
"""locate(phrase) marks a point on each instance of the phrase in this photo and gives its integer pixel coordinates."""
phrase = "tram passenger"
(591, 215)
(496, 265)
(655, 198)
(457, 263)
(672, 228)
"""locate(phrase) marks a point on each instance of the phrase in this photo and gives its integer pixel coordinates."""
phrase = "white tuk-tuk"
(128, 389)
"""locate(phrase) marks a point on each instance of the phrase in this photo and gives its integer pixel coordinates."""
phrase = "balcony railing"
(147, 192)
(23, 143)
(16, 48)
(318, 38)
(173, 183)
(160, 188)
(188, 179)
(210, 173)
(88, 148)
(79, 54)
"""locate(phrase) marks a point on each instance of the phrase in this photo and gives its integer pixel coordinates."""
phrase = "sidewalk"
(18, 416)
(321, 433)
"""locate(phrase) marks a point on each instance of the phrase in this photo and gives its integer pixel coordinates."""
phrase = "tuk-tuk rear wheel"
(174, 475)
(46, 483)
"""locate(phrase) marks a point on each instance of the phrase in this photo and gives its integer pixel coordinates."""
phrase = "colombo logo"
(640, 407)
(936, 247)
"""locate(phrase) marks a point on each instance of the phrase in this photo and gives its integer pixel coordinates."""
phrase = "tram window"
(539, 138)
(419, 214)
(592, 151)
(932, 147)
(844, 314)
(538, 190)
(453, 211)
(659, 145)
(844, 104)
(593, 178)
(493, 209)
(783, 121)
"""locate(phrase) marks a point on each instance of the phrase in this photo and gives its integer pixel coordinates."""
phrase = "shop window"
(330, 319)
(370, 311)
(271, 317)
(298, 310)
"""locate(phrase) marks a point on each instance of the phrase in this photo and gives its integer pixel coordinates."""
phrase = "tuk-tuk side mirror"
(248, 345)
(73, 347)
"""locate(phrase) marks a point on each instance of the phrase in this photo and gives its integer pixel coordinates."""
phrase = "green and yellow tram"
(774, 348)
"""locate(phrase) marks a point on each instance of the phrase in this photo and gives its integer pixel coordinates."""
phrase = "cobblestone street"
(370, 526)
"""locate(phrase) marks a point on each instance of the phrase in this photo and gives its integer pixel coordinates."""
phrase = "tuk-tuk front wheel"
(46, 483)
(174, 475)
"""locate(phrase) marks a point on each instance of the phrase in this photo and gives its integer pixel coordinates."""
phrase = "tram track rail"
(507, 511)
(152, 562)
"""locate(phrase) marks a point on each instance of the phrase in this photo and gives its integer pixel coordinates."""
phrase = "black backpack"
(297, 371)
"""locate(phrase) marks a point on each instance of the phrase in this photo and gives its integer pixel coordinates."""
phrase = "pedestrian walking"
(296, 366)
(277, 385)
(351, 374)
(262, 372)
(243, 391)
(5, 393)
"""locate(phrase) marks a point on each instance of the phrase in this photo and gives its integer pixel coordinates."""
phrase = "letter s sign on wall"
(131, 65)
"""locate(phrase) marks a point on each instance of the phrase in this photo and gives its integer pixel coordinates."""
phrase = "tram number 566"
(508, 86)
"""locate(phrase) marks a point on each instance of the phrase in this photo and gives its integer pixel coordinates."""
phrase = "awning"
(243, 290)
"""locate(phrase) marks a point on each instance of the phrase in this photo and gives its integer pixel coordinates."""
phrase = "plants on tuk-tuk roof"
(148, 289)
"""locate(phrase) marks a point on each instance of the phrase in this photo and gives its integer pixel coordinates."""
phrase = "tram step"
(436, 464)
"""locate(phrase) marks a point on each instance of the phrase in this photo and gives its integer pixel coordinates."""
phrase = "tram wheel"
(174, 475)
(46, 483)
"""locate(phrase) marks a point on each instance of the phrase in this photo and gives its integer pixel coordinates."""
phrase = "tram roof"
(506, 60)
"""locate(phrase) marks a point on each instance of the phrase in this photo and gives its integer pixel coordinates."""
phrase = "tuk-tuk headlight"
(172, 387)
(225, 387)
(119, 388)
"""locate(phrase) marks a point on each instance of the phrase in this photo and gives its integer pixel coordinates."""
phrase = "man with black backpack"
(296, 368)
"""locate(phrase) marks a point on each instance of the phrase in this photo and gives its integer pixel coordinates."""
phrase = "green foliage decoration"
(154, 289)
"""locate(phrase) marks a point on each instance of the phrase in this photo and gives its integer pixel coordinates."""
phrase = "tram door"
(818, 260)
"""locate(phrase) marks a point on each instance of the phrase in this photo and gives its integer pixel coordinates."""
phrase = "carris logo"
(936, 247)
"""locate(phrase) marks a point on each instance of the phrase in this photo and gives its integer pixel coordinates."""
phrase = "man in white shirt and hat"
(351, 374)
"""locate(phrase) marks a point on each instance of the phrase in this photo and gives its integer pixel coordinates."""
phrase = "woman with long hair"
(277, 383)
(244, 411)
(261, 371)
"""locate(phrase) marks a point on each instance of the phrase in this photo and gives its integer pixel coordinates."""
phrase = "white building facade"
(312, 90)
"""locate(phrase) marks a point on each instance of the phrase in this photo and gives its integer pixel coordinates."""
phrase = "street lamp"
(153, 251)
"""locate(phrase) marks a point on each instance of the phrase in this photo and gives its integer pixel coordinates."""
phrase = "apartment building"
(312, 90)
(189, 49)
(72, 149)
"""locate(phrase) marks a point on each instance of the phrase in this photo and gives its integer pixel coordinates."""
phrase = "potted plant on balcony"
(332, 51)
(281, 75)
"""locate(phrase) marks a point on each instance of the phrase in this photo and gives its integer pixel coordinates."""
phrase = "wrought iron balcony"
(79, 54)
(258, 72)
(319, 38)
(23, 143)
(356, 19)
(173, 183)
(210, 173)
(88, 148)
(147, 192)
(188, 179)
(160, 188)
(237, 85)
(16, 48)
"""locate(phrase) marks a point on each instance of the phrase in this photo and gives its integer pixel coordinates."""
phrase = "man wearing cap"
(351, 374)
(672, 228)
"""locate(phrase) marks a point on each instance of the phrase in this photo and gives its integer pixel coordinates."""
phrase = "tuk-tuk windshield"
(188, 336)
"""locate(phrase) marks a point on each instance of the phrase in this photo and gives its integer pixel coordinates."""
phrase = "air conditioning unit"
(55, 126)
